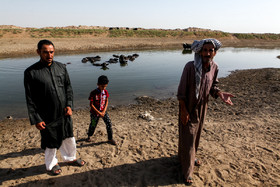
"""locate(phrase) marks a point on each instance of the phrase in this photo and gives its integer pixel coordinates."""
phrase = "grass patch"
(164, 33)
(65, 33)
(13, 31)
(141, 33)
(268, 36)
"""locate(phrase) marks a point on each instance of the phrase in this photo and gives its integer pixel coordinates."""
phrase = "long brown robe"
(189, 134)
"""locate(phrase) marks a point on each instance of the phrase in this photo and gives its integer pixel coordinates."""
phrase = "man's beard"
(206, 61)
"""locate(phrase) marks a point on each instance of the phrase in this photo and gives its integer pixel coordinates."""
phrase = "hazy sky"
(235, 16)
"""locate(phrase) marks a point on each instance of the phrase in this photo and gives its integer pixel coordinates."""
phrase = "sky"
(235, 16)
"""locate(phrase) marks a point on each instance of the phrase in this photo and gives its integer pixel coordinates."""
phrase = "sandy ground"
(239, 145)
(12, 47)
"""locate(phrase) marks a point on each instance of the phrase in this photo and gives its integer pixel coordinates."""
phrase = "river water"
(154, 73)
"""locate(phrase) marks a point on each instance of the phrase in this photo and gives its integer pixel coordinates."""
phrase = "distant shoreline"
(18, 42)
(18, 47)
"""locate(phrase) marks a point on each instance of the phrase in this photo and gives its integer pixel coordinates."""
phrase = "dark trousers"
(94, 121)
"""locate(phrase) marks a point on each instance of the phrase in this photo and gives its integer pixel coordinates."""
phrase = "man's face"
(207, 53)
(46, 53)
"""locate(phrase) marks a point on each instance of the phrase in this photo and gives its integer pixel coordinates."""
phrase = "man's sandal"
(56, 170)
(197, 162)
(188, 181)
(78, 162)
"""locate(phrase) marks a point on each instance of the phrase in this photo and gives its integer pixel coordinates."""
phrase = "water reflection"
(104, 68)
(123, 64)
(186, 51)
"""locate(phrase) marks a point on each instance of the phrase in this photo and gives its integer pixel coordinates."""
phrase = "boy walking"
(98, 108)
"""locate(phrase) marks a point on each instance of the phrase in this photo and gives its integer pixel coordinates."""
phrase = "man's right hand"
(41, 125)
(184, 115)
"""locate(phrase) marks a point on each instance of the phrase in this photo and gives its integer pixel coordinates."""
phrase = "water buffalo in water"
(104, 64)
(186, 46)
(123, 59)
(113, 60)
(91, 59)
(135, 55)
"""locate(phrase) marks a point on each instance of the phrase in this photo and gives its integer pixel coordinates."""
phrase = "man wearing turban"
(198, 80)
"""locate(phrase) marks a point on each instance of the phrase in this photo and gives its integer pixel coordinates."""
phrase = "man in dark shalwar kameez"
(199, 79)
(49, 99)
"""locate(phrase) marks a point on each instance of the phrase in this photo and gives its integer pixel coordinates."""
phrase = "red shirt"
(99, 99)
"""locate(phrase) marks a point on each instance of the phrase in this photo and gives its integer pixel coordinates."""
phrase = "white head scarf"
(196, 47)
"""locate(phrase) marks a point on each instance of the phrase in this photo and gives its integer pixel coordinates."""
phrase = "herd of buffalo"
(122, 59)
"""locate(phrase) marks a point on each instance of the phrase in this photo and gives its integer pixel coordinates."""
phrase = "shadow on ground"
(154, 172)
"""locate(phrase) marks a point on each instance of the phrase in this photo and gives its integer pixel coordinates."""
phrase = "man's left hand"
(68, 111)
(226, 97)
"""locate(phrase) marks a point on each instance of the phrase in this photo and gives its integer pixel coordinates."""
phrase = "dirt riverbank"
(20, 46)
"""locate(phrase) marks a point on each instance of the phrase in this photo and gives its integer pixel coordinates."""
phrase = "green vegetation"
(213, 34)
(126, 32)
(14, 31)
(73, 33)
(137, 33)
(164, 33)
(64, 33)
(257, 36)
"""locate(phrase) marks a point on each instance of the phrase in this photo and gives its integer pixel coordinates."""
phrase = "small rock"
(9, 117)
(147, 116)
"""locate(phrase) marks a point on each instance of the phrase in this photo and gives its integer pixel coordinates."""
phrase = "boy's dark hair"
(102, 80)
(44, 42)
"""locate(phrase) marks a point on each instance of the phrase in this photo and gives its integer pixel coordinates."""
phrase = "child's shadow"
(84, 140)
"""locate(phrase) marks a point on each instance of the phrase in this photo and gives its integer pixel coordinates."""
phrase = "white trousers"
(67, 150)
